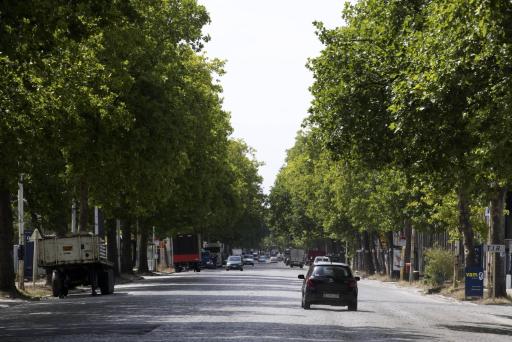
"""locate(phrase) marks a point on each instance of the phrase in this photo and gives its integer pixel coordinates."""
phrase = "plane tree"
(369, 106)
(459, 78)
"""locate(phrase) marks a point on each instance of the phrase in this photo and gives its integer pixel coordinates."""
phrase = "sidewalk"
(445, 291)
(41, 291)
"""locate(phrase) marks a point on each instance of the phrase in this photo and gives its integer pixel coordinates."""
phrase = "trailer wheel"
(57, 284)
(106, 282)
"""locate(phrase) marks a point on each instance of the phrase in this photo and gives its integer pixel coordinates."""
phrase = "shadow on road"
(488, 328)
(338, 309)
(220, 331)
(289, 332)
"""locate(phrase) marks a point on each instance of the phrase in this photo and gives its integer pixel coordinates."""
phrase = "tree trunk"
(112, 244)
(407, 252)
(381, 255)
(126, 253)
(143, 248)
(375, 257)
(6, 234)
(465, 228)
(412, 266)
(390, 251)
(134, 243)
(368, 259)
(359, 261)
(84, 206)
(497, 237)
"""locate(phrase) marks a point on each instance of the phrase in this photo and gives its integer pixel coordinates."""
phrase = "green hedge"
(439, 266)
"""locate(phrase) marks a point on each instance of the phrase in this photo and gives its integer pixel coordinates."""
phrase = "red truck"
(312, 254)
(186, 252)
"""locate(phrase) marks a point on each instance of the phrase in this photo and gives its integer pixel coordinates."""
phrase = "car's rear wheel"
(305, 303)
(352, 306)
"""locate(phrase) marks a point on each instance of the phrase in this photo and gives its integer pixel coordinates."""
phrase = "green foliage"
(439, 266)
(114, 103)
(409, 120)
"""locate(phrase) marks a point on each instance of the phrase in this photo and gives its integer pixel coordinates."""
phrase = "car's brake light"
(310, 284)
(352, 283)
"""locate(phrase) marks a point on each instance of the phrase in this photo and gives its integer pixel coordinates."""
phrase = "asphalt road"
(258, 304)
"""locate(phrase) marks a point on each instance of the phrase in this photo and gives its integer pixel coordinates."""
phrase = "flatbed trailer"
(77, 259)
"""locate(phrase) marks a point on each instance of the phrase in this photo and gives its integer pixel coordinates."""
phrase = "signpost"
(34, 237)
(493, 249)
(474, 281)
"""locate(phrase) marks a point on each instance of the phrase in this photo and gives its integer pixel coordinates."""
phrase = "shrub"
(438, 266)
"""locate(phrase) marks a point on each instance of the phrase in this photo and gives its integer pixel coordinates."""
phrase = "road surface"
(258, 304)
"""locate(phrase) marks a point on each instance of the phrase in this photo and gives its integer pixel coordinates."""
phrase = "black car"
(329, 284)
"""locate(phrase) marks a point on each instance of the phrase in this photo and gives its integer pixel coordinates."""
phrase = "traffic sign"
(35, 235)
(494, 248)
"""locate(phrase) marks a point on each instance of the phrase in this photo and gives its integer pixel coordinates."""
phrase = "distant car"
(336, 258)
(262, 258)
(273, 259)
(210, 264)
(234, 262)
(319, 259)
(248, 260)
(329, 284)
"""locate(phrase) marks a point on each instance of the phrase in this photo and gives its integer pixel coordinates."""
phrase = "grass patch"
(381, 277)
(34, 292)
(457, 293)
(496, 301)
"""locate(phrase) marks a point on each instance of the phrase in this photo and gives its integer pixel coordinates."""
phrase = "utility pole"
(21, 235)
(73, 217)
(96, 221)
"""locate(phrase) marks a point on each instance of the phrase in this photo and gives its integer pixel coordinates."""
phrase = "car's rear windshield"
(336, 272)
(234, 258)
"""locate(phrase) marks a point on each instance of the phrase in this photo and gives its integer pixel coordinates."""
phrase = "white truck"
(297, 257)
(215, 249)
(236, 251)
(78, 259)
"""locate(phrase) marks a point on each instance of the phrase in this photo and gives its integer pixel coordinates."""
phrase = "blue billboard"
(474, 280)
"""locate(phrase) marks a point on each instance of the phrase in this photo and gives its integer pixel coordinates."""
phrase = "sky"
(266, 44)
